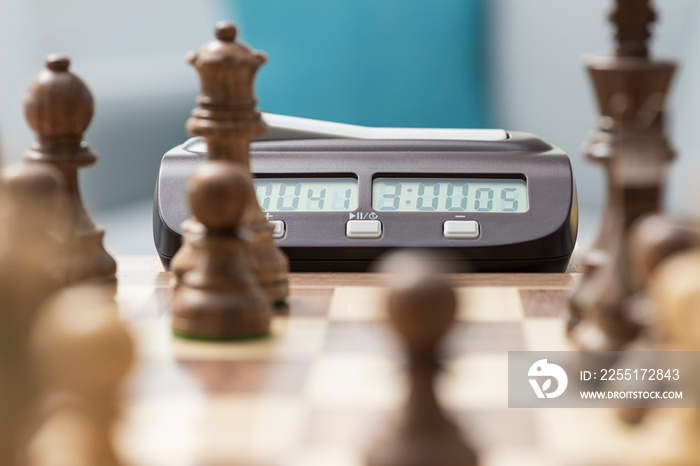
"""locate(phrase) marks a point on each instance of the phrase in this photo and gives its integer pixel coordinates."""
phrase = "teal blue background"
(413, 63)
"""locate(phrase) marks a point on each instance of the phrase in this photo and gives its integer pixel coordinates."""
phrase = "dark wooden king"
(631, 145)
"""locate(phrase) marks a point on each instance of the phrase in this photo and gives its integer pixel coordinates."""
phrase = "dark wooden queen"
(227, 118)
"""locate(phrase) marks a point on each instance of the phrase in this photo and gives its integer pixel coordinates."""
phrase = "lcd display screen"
(306, 194)
(508, 195)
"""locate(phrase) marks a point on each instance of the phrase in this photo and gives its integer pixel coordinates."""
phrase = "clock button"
(365, 229)
(460, 229)
(280, 228)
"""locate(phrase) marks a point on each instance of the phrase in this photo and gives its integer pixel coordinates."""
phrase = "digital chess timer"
(339, 196)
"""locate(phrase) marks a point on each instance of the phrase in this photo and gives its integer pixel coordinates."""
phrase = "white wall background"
(131, 54)
(540, 84)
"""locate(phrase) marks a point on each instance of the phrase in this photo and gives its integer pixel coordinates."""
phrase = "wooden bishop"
(227, 119)
(58, 107)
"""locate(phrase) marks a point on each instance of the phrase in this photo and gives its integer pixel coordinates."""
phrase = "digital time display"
(449, 195)
(306, 194)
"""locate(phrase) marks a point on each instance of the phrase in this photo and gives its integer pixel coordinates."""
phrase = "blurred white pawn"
(674, 289)
(83, 353)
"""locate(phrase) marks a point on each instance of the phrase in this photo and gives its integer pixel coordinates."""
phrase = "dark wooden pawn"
(58, 107)
(227, 118)
(421, 311)
(220, 298)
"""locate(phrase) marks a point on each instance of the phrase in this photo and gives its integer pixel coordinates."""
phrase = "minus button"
(460, 229)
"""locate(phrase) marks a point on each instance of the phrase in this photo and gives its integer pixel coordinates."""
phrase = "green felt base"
(190, 336)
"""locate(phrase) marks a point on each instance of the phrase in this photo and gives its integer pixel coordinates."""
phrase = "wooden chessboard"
(318, 390)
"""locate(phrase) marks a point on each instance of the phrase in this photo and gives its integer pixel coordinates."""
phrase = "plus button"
(268, 215)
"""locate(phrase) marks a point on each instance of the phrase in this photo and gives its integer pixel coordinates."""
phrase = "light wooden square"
(489, 304)
(357, 303)
(546, 334)
(362, 381)
(478, 381)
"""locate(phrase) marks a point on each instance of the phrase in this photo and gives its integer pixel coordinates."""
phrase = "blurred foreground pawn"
(671, 433)
(34, 202)
(58, 107)
(630, 142)
(220, 298)
(227, 119)
(421, 308)
(83, 352)
(30, 201)
(653, 240)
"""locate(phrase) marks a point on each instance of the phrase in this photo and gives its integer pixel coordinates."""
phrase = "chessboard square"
(160, 430)
(250, 429)
(344, 427)
(164, 279)
(489, 304)
(358, 303)
(135, 264)
(326, 457)
(360, 337)
(142, 301)
(546, 334)
(471, 337)
(248, 377)
(478, 381)
(159, 280)
(544, 303)
(309, 302)
(290, 338)
(153, 338)
(498, 429)
(141, 270)
(357, 381)
(598, 435)
(157, 378)
(158, 304)
(518, 456)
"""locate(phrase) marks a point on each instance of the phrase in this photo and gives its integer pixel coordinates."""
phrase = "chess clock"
(339, 196)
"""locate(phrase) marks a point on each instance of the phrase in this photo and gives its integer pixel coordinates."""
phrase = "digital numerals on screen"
(306, 194)
(449, 195)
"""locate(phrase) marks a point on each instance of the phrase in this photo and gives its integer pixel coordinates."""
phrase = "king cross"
(632, 19)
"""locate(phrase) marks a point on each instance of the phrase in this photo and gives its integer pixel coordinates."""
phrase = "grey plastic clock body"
(539, 239)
